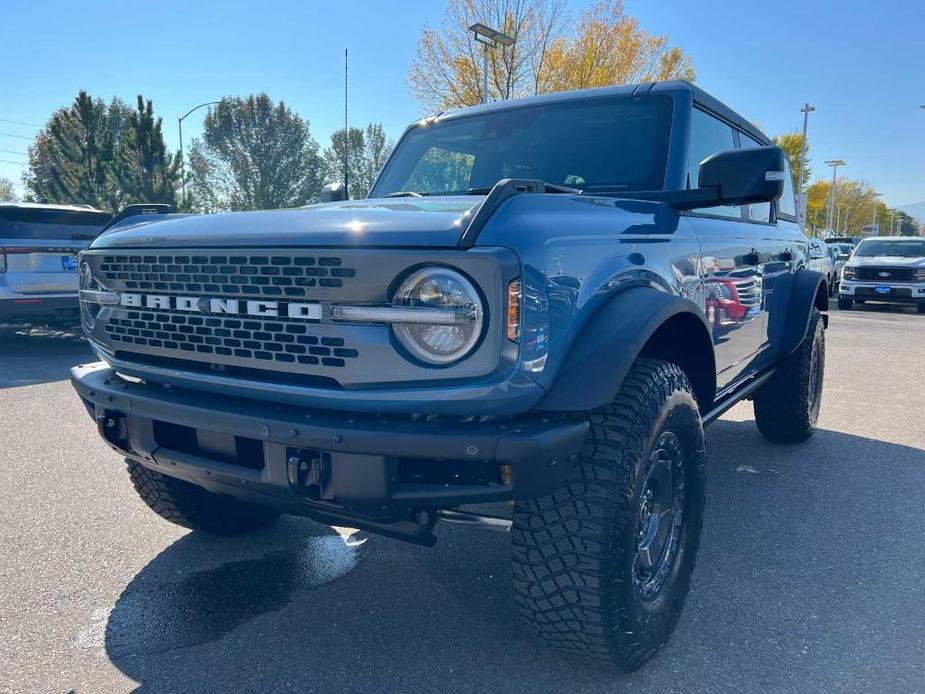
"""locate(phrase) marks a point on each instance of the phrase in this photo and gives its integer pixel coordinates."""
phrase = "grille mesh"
(872, 274)
(249, 275)
(263, 340)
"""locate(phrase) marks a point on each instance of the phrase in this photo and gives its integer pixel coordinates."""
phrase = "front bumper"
(901, 293)
(368, 471)
(23, 310)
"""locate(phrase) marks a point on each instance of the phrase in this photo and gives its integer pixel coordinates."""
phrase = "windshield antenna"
(346, 131)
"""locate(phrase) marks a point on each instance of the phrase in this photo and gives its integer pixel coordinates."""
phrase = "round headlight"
(440, 340)
(88, 311)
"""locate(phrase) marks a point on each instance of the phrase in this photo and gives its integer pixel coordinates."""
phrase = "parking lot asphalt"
(810, 575)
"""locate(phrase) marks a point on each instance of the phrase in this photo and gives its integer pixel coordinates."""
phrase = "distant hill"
(916, 209)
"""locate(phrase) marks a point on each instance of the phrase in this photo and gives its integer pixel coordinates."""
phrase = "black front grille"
(876, 274)
(262, 340)
(245, 274)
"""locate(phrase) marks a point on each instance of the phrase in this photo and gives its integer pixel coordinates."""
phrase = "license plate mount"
(69, 263)
(882, 289)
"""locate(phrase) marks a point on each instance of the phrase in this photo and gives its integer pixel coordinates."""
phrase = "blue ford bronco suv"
(542, 302)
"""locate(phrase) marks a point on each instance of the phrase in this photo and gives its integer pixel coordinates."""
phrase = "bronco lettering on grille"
(195, 304)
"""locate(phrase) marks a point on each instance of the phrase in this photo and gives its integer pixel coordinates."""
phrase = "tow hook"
(113, 429)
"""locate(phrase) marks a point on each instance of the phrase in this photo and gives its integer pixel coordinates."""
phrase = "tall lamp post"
(182, 160)
(806, 110)
(489, 38)
(834, 163)
(874, 231)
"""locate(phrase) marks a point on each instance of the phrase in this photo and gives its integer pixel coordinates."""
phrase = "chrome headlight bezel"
(89, 311)
(466, 330)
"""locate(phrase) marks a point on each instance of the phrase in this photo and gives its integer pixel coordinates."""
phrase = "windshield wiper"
(406, 194)
(550, 188)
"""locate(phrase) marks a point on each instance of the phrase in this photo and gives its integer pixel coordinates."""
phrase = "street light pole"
(182, 160)
(873, 223)
(834, 163)
(489, 38)
(806, 110)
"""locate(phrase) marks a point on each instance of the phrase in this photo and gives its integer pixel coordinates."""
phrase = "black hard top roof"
(700, 97)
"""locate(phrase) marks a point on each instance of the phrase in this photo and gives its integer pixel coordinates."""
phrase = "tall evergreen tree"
(72, 157)
(144, 168)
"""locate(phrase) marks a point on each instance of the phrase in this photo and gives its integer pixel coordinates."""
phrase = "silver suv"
(38, 261)
(888, 269)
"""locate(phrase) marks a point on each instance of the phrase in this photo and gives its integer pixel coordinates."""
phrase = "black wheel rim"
(660, 516)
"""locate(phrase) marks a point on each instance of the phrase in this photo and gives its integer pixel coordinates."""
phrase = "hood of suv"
(886, 261)
(421, 222)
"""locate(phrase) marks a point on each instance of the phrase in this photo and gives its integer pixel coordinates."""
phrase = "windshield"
(51, 225)
(605, 144)
(913, 248)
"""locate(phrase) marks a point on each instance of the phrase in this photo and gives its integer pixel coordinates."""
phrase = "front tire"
(787, 406)
(920, 308)
(193, 507)
(602, 566)
(845, 304)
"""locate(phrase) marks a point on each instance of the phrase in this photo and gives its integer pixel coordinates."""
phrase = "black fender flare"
(787, 328)
(601, 355)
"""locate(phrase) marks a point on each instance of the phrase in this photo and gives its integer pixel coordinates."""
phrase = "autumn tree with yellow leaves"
(551, 52)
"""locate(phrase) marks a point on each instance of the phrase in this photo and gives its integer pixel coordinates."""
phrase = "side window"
(757, 211)
(709, 135)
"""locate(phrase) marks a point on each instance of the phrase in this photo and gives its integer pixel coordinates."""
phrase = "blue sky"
(861, 64)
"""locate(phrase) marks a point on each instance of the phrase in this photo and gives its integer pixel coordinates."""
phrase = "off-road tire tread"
(845, 304)
(567, 558)
(782, 409)
(189, 506)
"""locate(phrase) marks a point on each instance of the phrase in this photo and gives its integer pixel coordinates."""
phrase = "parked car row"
(39, 244)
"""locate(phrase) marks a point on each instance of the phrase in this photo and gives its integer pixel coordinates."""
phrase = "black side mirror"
(734, 177)
(742, 176)
(334, 192)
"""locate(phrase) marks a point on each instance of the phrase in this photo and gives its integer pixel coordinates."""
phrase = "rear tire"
(787, 406)
(602, 566)
(920, 308)
(193, 507)
(845, 304)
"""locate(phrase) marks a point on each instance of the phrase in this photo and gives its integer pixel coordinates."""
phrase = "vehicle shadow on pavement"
(40, 355)
(795, 590)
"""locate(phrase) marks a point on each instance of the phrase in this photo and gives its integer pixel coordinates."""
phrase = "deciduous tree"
(368, 150)
(7, 190)
(854, 201)
(550, 52)
(792, 144)
(254, 154)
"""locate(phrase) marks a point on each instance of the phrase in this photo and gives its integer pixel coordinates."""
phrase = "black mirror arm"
(679, 200)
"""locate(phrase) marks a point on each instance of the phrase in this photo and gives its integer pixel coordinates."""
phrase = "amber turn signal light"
(514, 299)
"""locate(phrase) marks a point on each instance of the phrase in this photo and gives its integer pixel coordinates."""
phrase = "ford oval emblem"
(883, 274)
